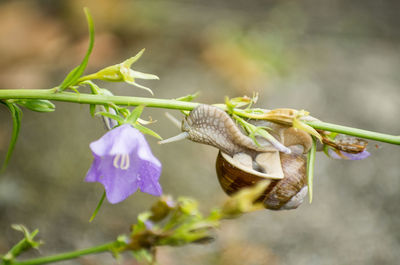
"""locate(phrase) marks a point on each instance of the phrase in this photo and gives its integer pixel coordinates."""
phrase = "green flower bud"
(122, 73)
(38, 105)
(244, 201)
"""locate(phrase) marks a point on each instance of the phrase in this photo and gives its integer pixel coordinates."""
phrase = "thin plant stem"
(68, 255)
(310, 168)
(387, 138)
(84, 98)
(98, 207)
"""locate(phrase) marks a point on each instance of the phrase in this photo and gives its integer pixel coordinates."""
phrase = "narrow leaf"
(239, 102)
(135, 114)
(229, 105)
(310, 168)
(147, 131)
(188, 98)
(16, 115)
(93, 87)
(119, 119)
(77, 72)
(307, 128)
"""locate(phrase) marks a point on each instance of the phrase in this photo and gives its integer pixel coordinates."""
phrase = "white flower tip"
(140, 75)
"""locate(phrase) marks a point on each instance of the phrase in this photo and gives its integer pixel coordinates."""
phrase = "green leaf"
(119, 119)
(142, 255)
(146, 130)
(310, 168)
(253, 131)
(297, 123)
(135, 114)
(16, 115)
(239, 102)
(95, 89)
(38, 105)
(189, 97)
(229, 105)
(77, 72)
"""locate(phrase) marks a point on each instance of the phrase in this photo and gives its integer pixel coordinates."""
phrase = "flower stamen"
(115, 161)
(125, 162)
(121, 161)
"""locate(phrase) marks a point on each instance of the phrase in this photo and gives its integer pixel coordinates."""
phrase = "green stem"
(68, 255)
(21, 246)
(310, 168)
(84, 98)
(98, 207)
(387, 138)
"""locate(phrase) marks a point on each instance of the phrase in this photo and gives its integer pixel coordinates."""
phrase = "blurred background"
(338, 59)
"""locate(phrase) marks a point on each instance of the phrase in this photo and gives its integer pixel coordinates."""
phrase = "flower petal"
(359, 156)
(149, 183)
(93, 173)
(140, 75)
(123, 162)
(349, 156)
(150, 170)
(127, 63)
(118, 183)
(117, 141)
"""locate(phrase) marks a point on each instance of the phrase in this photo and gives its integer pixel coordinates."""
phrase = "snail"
(241, 163)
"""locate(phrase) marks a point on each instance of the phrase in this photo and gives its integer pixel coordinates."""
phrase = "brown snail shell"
(286, 193)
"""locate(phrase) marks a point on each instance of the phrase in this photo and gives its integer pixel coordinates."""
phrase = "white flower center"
(121, 161)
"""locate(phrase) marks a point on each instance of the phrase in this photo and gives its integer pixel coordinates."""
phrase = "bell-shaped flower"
(124, 163)
(337, 154)
(122, 72)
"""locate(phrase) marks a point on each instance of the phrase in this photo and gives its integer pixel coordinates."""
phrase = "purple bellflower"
(336, 154)
(123, 163)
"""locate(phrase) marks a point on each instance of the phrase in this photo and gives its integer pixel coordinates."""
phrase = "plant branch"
(68, 255)
(84, 98)
(387, 138)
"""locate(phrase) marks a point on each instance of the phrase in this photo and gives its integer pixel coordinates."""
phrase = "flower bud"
(38, 105)
(122, 73)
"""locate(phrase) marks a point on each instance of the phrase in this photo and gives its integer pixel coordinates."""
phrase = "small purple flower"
(123, 163)
(336, 154)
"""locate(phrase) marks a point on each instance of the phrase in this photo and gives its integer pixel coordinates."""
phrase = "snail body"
(241, 163)
(210, 125)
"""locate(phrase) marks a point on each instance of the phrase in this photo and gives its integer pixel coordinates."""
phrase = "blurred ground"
(340, 60)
